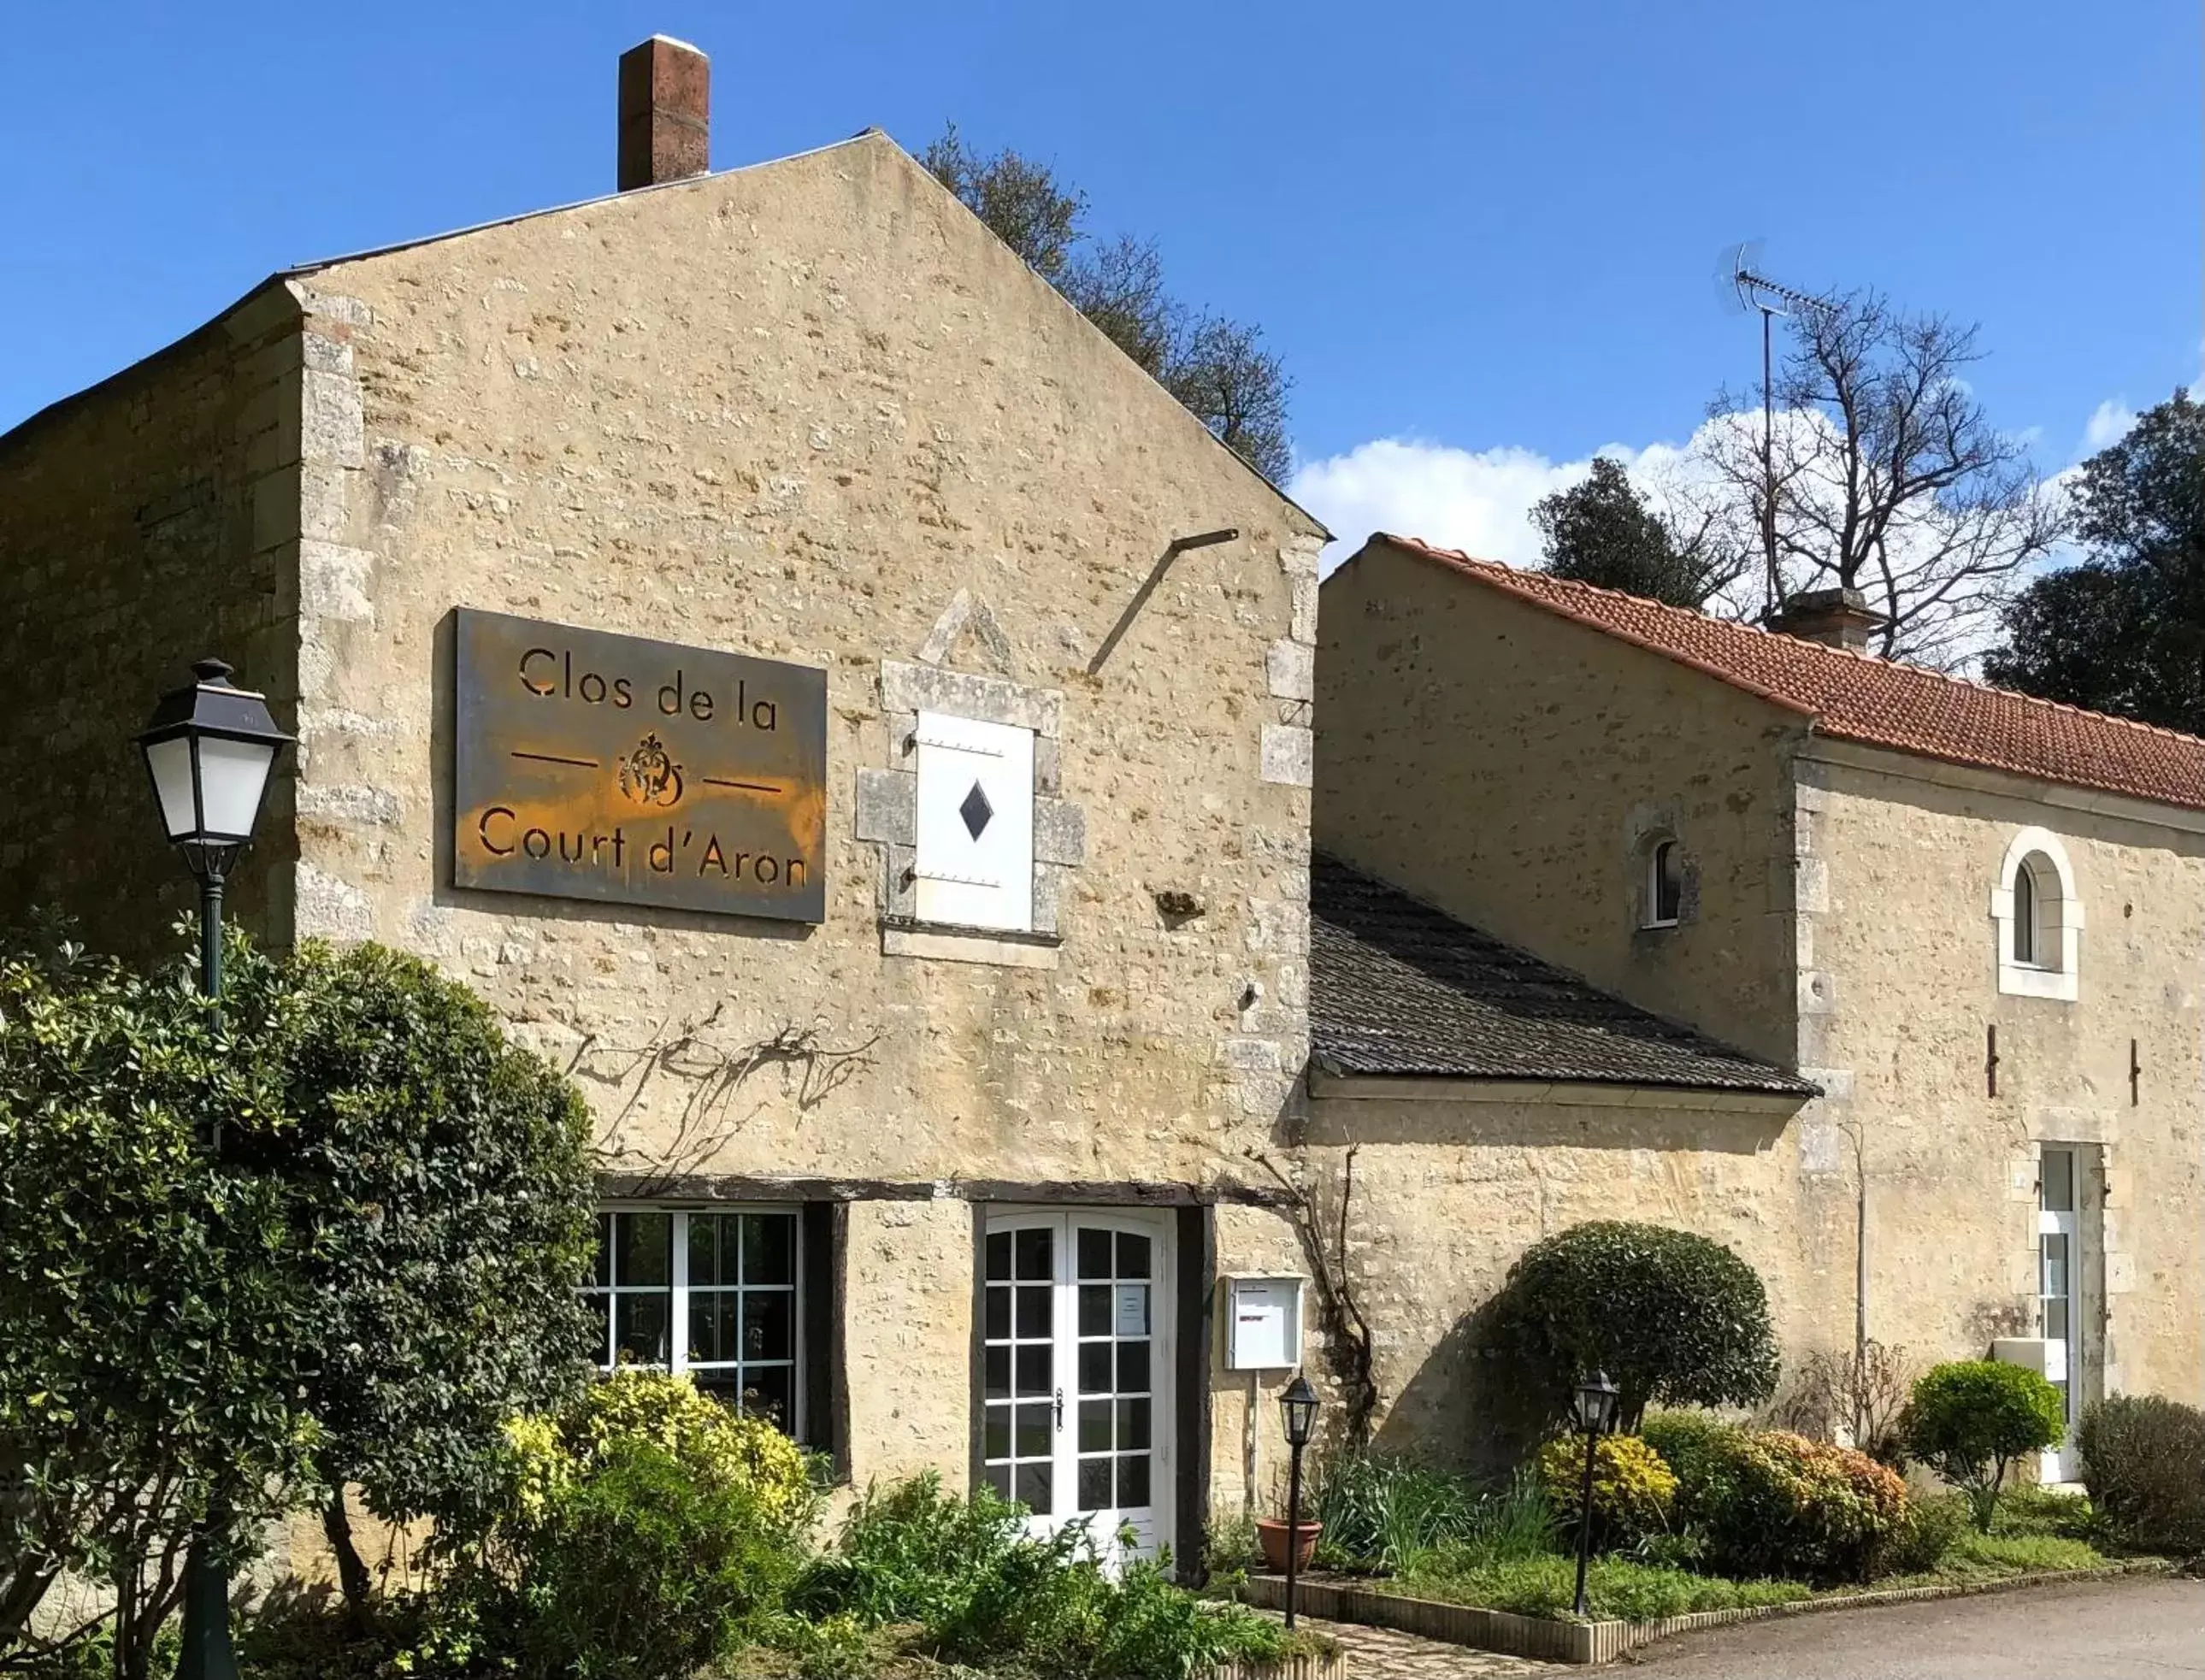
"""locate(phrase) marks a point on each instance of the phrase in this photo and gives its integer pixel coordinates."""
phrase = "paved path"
(1380, 1653)
(2148, 1629)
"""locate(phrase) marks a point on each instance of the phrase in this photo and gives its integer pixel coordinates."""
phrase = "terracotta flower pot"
(1271, 1535)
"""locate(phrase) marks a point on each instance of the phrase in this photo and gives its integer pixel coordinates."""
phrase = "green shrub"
(1924, 1535)
(1671, 1317)
(1970, 1421)
(2143, 1461)
(643, 1570)
(979, 1588)
(1773, 1503)
(1631, 1489)
(1378, 1512)
(1614, 1586)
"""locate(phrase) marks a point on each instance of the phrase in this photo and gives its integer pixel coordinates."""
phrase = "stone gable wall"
(1511, 767)
(145, 523)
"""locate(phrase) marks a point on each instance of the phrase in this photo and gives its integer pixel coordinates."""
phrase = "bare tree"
(1888, 477)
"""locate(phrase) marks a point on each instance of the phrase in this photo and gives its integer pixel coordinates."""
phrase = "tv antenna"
(1748, 288)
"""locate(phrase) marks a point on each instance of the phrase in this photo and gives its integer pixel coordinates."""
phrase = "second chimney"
(1841, 617)
(665, 113)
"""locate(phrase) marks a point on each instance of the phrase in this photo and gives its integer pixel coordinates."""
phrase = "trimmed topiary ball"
(1969, 1419)
(1674, 1318)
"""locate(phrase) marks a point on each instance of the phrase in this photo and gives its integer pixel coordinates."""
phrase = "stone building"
(820, 691)
(1965, 924)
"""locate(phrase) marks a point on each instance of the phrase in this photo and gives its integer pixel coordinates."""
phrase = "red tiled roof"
(1857, 697)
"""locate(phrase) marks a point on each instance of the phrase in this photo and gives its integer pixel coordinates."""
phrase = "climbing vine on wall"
(1321, 1222)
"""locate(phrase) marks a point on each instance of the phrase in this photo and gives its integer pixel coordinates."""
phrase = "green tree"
(447, 1208)
(153, 1327)
(1671, 1317)
(1217, 368)
(2124, 632)
(1603, 531)
(1971, 1420)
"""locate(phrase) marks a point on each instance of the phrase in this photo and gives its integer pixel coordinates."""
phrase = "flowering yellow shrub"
(1631, 1488)
(715, 1444)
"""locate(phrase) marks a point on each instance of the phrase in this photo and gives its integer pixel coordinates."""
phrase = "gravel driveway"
(2148, 1628)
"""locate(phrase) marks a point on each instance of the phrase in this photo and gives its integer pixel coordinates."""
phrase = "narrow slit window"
(1665, 884)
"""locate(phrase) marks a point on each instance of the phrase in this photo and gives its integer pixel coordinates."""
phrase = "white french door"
(1076, 1374)
(2058, 1257)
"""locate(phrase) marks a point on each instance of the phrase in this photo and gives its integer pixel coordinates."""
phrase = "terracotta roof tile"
(1856, 697)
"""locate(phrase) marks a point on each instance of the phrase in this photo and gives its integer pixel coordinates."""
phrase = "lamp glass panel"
(232, 774)
(170, 761)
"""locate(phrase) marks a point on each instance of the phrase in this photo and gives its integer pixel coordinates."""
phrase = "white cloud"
(2109, 423)
(1478, 501)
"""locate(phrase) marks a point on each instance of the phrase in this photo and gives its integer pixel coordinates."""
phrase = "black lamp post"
(1299, 1403)
(1596, 1411)
(210, 751)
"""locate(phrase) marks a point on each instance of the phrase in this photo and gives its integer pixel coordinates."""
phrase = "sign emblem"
(588, 765)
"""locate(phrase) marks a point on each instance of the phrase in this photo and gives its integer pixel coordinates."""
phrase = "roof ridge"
(1502, 574)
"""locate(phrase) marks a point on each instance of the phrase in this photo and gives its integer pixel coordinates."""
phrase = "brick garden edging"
(1604, 1641)
(1303, 1665)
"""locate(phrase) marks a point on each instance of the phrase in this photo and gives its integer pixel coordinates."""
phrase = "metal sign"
(594, 766)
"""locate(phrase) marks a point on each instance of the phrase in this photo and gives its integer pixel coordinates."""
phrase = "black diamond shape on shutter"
(976, 810)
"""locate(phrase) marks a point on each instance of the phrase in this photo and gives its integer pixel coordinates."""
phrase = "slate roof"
(1858, 698)
(1399, 988)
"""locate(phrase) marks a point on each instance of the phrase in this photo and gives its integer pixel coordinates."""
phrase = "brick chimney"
(665, 113)
(1838, 617)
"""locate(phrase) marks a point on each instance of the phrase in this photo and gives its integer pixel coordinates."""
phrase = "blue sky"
(1484, 231)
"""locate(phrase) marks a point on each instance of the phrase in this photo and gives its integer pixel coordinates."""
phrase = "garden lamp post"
(1596, 1411)
(1299, 1403)
(210, 751)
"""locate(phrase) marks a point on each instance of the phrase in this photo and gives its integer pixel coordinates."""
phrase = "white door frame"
(1153, 1523)
(2059, 1299)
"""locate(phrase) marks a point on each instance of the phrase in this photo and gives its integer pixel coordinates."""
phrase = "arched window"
(2038, 918)
(1664, 901)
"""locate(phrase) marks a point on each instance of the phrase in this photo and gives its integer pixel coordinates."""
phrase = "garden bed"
(1376, 1603)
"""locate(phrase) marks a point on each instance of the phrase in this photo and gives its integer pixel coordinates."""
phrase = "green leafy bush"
(2143, 1461)
(1631, 1488)
(1378, 1512)
(1925, 1536)
(1969, 1421)
(980, 1589)
(1615, 1588)
(1671, 1317)
(642, 1570)
(1773, 1503)
(446, 1205)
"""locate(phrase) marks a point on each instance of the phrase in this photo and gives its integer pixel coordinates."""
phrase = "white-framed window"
(2038, 918)
(716, 1292)
(974, 863)
(1662, 895)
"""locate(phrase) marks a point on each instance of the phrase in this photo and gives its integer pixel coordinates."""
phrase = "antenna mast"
(1757, 291)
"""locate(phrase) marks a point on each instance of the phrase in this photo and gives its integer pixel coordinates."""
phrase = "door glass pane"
(2055, 1264)
(601, 1308)
(1095, 1368)
(2056, 1177)
(995, 1434)
(998, 1313)
(1094, 1254)
(770, 1391)
(1035, 1430)
(1132, 1423)
(1095, 1425)
(1036, 1366)
(1133, 1480)
(1094, 1309)
(1132, 1367)
(707, 1342)
(1035, 1313)
(602, 1270)
(705, 1251)
(1094, 1484)
(997, 1374)
(1132, 1254)
(1033, 1485)
(999, 1257)
(1036, 1262)
(998, 1476)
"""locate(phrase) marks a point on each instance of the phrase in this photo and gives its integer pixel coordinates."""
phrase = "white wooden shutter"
(975, 823)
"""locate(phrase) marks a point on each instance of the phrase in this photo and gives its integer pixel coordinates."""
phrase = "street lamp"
(1299, 1403)
(1595, 1406)
(210, 750)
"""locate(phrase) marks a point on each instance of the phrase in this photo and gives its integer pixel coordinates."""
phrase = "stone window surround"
(2030, 980)
(887, 813)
